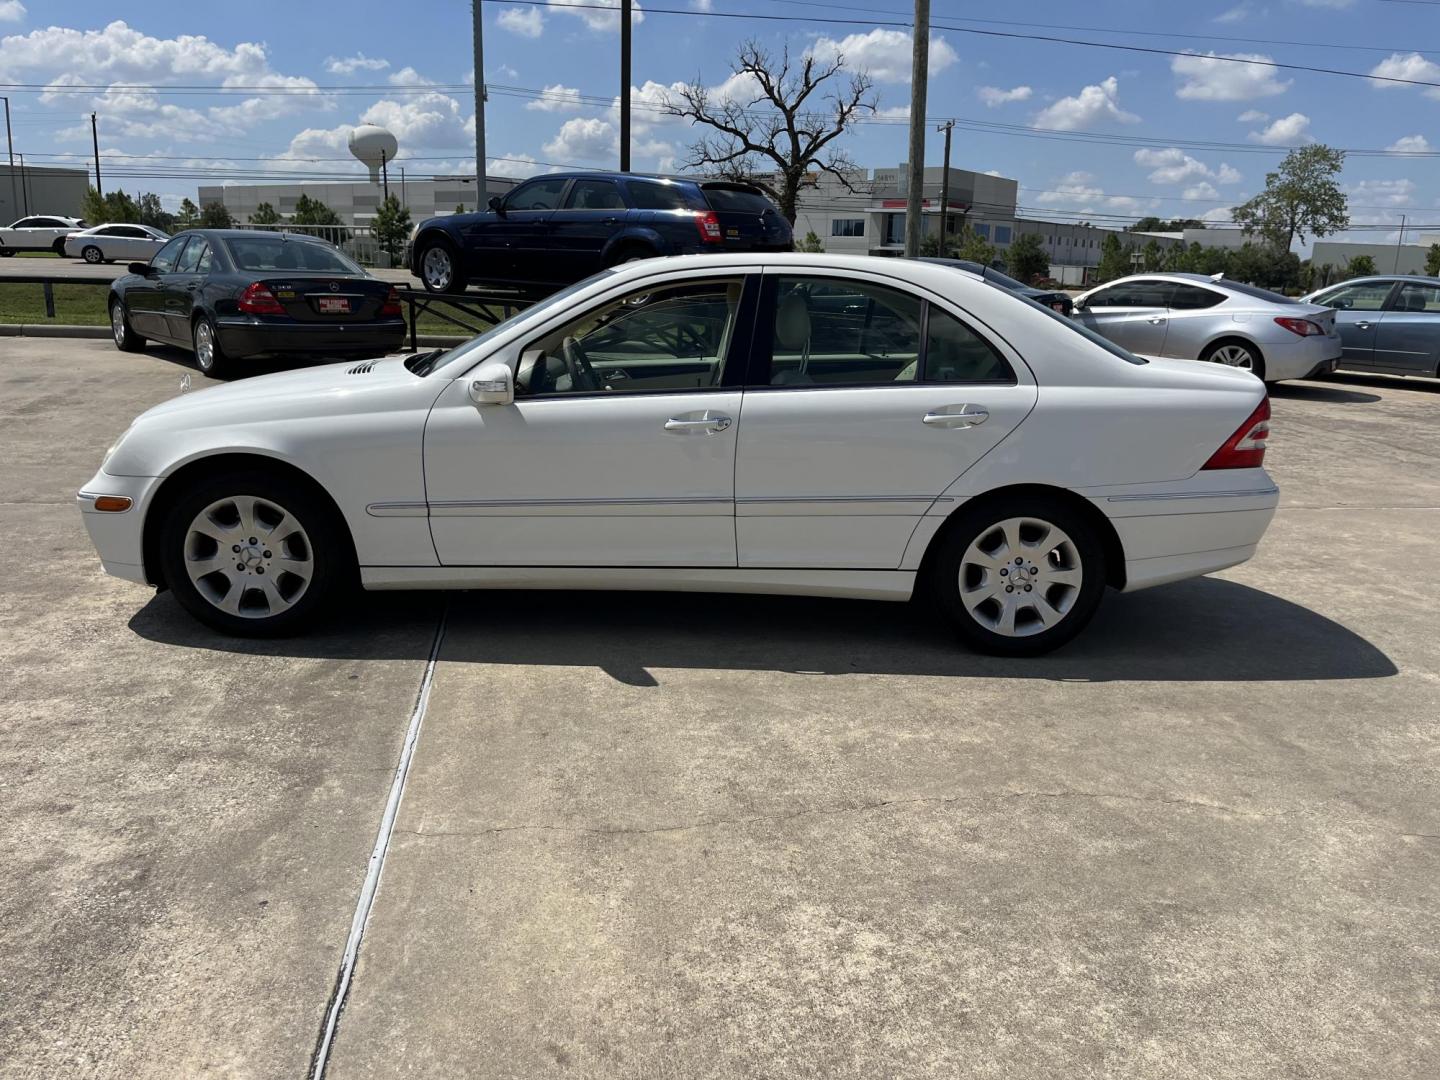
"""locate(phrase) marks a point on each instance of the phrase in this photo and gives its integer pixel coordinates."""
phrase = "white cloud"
(408, 76)
(993, 96)
(584, 140)
(893, 112)
(702, 5)
(557, 98)
(119, 54)
(514, 164)
(1217, 77)
(1091, 105)
(1078, 192)
(1412, 144)
(431, 120)
(527, 22)
(599, 15)
(11, 11)
(885, 54)
(1326, 3)
(1173, 166)
(351, 64)
(1236, 14)
(1202, 190)
(1285, 131)
(1407, 66)
(1383, 192)
(1253, 116)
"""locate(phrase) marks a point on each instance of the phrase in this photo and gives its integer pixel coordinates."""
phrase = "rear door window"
(660, 195)
(594, 195)
(1194, 298)
(1416, 297)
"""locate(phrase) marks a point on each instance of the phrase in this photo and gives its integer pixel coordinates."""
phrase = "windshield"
(461, 352)
(282, 253)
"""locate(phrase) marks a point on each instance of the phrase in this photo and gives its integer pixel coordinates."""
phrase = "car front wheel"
(253, 555)
(1019, 577)
(440, 270)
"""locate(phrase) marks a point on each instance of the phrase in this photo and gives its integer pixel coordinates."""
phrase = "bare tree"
(790, 123)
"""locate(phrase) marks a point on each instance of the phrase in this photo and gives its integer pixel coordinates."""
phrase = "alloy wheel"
(1021, 577)
(117, 323)
(437, 268)
(1237, 356)
(91, 255)
(204, 346)
(248, 557)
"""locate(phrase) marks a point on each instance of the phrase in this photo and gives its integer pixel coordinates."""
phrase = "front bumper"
(251, 338)
(119, 537)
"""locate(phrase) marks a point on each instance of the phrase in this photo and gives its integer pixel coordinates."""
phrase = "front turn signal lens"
(113, 504)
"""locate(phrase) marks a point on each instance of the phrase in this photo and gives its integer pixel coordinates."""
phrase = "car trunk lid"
(329, 298)
(748, 220)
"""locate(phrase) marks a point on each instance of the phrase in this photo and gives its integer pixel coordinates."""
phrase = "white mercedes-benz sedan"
(822, 425)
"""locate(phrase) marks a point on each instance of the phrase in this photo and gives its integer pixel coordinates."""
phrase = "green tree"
(459, 208)
(812, 243)
(1114, 258)
(391, 226)
(974, 247)
(1155, 224)
(188, 216)
(1301, 199)
(1432, 261)
(310, 211)
(113, 207)
(265, 214)
(216, 215)
(152, 213)
(1151, 253)
(1360, 266)
(1027, 258)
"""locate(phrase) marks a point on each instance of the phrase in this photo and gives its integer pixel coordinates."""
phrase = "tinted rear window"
(657, 195)
(1255, 291)
(278, 253)
(737, 199)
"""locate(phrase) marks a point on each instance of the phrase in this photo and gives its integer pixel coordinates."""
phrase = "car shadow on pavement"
(1387, 382)
(1316, 392)
(1203, 630)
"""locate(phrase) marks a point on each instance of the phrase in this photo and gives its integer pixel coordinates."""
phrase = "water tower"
(373, 146)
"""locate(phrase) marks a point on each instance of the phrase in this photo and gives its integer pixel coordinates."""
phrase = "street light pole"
(1398, 241)
(915, 186)
(24, 191)
(384, 176)
(95, 141)
(10, 145)
(625, 85)
(946, 127)
(479, 19)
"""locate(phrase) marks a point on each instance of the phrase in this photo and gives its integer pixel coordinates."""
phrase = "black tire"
(433, 255)
(978, 621)
(212, 361)
(1255, 365)
(92, 255)
(59, 246)
(323, 539)
(7, 253)
(126, 340)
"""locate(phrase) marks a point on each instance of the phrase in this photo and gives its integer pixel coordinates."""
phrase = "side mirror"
(140, 268)
(1078, 305)
(497, 205)
(493, 384)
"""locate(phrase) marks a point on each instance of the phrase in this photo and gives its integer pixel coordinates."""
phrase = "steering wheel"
(582, 374)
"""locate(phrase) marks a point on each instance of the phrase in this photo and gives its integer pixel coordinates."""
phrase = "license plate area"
(332, 305)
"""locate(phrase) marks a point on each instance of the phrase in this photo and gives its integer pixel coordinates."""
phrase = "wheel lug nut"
(252, 539)
(240, 566)
(267, 554)
(1018, 561)
(1027, 588)
(1009, 588)
(235, 548)
(1003, 573)
(261, 570)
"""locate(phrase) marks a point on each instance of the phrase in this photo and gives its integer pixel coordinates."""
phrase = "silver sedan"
(1194, 317)
(1388, 324)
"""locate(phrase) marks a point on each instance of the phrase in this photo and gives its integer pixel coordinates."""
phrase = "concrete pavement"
(688, 836)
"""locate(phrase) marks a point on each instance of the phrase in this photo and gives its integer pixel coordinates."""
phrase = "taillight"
(391, 307)
(708, 222)
(257, 299)
(1303, 327)
(1246, 448)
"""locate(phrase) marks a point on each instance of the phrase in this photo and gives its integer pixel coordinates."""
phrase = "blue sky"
(555, 70)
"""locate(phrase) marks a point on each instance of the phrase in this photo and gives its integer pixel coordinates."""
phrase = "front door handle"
(704, 425)
(1156, 320)
(1362, 325)
(965, 416)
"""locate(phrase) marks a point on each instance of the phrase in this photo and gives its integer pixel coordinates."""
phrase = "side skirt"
(855, 584)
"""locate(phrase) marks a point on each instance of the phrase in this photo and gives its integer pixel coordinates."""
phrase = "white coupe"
(842, 426)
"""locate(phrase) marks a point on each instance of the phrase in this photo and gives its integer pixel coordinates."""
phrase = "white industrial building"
(356, 202)
(28, 189)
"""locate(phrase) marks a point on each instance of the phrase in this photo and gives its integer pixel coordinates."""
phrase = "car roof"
(258, 234)
(600, 174)
(1418, 278)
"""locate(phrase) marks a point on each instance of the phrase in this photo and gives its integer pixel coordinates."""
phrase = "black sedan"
(1051, 298)
(232, 294)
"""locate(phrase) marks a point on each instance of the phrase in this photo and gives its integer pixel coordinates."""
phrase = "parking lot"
(681, 836)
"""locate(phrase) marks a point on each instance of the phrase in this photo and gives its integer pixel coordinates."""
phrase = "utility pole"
(95, 141)
(1400, 240)
(384, 176)
(403, 200)
(479, 19)
(915, 186)
(625, 85)
(946, 127)
(24, 190)
(10, 145)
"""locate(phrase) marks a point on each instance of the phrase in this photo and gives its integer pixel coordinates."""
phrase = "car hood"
(260, 411)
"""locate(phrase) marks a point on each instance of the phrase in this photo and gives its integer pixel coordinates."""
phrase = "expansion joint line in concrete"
(377, 859)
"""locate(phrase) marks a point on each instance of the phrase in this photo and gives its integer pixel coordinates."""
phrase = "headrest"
(792, 323)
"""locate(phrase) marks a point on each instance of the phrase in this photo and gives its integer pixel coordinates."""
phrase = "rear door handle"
(1363, 325)
(964, 416)
(1156, 320)
(705, 425)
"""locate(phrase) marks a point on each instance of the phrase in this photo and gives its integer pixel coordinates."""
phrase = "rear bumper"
(250, 338)
(1302, 357)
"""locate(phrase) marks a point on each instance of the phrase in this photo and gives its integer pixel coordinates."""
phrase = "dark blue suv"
(559, 228)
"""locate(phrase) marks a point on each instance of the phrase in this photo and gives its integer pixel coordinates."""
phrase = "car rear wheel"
(253, 555)
(210, 358)
(1237, 354)
(1019, 577)
(126, 340)
(92, 255)
(440, 269)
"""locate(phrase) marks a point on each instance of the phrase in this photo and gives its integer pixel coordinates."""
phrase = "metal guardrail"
(47, 285)
(489, 307)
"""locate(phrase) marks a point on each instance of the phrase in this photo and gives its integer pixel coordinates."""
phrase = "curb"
(49, 330)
